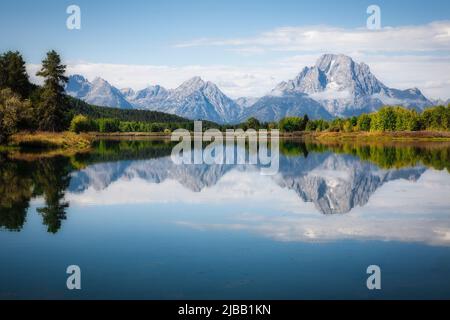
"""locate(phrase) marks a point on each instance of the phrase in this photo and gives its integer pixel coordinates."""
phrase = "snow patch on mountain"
(245, 102)
(98, 92)
(198, 99)
(336, 86)
(344, 87)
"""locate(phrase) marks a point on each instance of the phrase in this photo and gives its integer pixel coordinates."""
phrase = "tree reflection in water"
(24, 177)
(21, 180)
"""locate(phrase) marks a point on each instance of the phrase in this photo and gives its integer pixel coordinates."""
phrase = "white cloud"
(428, 73)
(432, 231)
(235, 81)
(433, 36)
(401, 57)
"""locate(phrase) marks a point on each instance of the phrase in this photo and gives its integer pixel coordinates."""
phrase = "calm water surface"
(141, 227)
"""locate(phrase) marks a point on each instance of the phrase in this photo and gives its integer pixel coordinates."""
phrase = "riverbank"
(29, 146)
(368, 136)
(380, 136)
(51, 140)
(69, 141)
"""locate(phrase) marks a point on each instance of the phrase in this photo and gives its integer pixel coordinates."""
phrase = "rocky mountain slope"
(336, 86)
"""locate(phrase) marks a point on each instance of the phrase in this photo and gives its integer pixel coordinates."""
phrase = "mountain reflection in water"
(335, 178)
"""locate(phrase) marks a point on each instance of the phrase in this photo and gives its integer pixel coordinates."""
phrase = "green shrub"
(291, 124)
(82, 123)
(15, 114)
(363, 122)
(108, 125)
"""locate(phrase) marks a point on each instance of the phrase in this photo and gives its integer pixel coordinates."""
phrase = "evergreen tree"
(13, 73)
(52, 107)
(252, 123)
(304, 123)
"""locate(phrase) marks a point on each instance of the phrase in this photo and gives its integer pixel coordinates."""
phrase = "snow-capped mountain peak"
(78, 86)
(190, 86)
(148, 98)
(246, 102)
(100, 82)
(98, 92)
(197, 99)
(336, 86)
(344, 87)
(127, 92)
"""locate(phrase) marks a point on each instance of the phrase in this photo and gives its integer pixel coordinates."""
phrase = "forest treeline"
(28, 107)
(25, 106)
(387, 119)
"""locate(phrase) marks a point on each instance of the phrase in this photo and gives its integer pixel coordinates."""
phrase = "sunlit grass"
(51, 140)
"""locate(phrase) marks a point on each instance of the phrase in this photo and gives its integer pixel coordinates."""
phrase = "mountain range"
(336, 86)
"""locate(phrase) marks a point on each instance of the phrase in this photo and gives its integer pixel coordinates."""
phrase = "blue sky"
(187, 37)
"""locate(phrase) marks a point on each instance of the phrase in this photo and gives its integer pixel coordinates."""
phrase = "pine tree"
(52, 107)
(304, 123)
(13, 74)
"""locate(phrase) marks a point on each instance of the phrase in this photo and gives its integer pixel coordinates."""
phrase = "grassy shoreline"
(69, 141)
(51, 141)
(382, 136)
(397, 135)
